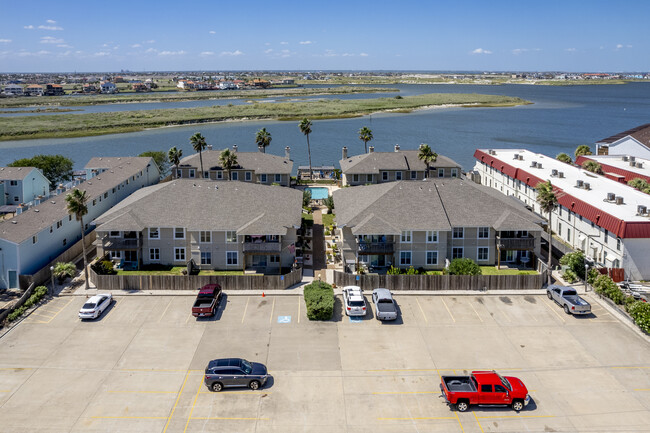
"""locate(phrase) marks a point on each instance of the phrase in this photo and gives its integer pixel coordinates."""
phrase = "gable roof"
(640, 133)
(15, 173)
(118, 161)
(258, 161)
(249, 209)
(433, 204)
(374, 162)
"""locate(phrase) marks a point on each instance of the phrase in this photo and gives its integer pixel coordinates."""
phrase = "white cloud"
(50, 21)
(36, 54)
(51, 40)
(212, 32)
(330, 53)
(5, 41)
(347, 55)
(267, 43)
(102, 54)
(171, 53)
(151, 50)
(571, 50)
(518, 51)
(150, 41)
(136, 46)
(305, 42)
(29, 27)
(231, 53)
(285, 54)
(364, 54)
(65, 53)
(481, 51)
(619, 46)
(64, 46)
(269, 51)
(56, 28)
(207, 53)
(284, 43)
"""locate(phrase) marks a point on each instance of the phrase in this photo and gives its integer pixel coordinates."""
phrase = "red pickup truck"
(207, 301)
(484, 388)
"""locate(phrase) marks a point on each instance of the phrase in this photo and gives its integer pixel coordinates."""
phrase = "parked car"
(95, 306)
(235, 372)
(353, 301)
(385, 306)
(567, 298)
(207, 301)
(638, 291)
(484, 388)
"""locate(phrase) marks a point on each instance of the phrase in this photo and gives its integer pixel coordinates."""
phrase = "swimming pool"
(318, 193)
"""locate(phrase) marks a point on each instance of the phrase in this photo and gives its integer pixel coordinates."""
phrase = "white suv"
(354, 302)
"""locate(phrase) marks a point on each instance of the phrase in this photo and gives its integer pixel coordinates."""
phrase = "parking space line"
(128, 417)
(272, 308)
(448, 310)
(245, 308)
(176, 403)
(553, 310)
(62, 308)
(514, 416)
(236, 393)
(196, 396)
(229, 418)
(405, 392)
(142, 392)
(477, 315)
(163, 313)
(408, 369)
(188, 318)
(299, 308)
(636, 389)
(478, 422)
(420, 418)
(423, 315)
(459, 423)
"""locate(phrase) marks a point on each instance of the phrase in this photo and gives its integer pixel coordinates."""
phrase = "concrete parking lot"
(139, 368)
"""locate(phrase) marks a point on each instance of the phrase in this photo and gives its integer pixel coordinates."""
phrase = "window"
(34, 239)
(406, 236)
(179, 254)
(486, 388)
(432, 257)
(483, 254)
(559, 228)
(568, 235)
(459, 233)
(205, 237)
(114, 234)
(154, 233)
(247, 176)
(441, 172)
(384, 175)
(568, 216)
(605, 257)
(16, 198)
(414, 174)
(69, 218)
(154, 254)
(13, 183)
(369, 178)
(206, 258)
(274, 259)
(454, 172)
(235, 175)
(278, 178)
(231, 236)
(559, 210)
(192, 173)
(618, 244)
(398, 175)
(65, 242)
(606, 235)
(94, 202)
(219, 174)
(179, 233)
(483, 232)
(405, 258)
(206, 175)
(432, 237)
(616, 263)
(355, 178)
(115, 255)
(231, 258)
(457, 253)
(499, 388)
(263, 178)
(105, 195)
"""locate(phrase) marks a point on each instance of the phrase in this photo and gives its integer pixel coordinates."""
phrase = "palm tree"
(593, 167)
(174, 155)
(365, 135)
(199, 145)
(305, 128)
(76, 204)
(547, 203)
(582, 150)
(564, 157)
(228, 160)
(263, 139)
(427, 156)
(63, 270)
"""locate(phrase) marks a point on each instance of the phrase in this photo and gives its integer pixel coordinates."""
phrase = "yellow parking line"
(258, 393)
(245, 308)
(156, 370)
(478, 422)
(630, 366)
(459, 423)
(405, 392)
(636, 389)
(515, 416)
(163, 313)
(478, 315)
(408, 369)
(16, 368)
(176, 403)
(143, 392)
(423, 315)
(5, 390)
(196, 396)
(554, 312)
(188, 318)
(448, 310)
(229, 418)
(128, 417)
(272, 308)
(417, 418)
(63, 308)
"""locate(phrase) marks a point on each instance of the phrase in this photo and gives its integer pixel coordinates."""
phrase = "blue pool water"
(318, 193)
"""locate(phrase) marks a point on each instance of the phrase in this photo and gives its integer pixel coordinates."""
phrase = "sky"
(92, 36)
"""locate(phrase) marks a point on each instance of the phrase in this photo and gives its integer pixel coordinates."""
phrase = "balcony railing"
(516, 243)
(109, 243)
(375, 247)
(262, 247)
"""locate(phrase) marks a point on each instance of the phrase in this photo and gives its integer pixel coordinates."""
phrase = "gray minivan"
(235, 372)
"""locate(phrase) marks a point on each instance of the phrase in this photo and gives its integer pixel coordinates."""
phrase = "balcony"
(262, 247)
(526, 243)
(109, 243)
(370, 248)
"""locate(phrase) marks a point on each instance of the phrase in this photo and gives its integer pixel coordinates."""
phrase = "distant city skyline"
(353, 35)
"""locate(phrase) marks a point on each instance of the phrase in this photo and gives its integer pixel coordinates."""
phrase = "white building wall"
(629, 146)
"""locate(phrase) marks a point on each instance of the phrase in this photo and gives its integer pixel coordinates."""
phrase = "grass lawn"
(308, 218)
(492, 270)
(328, 219)
(221, 273)
(176, 270)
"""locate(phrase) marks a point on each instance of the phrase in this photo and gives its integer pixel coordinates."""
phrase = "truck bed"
(459, 383)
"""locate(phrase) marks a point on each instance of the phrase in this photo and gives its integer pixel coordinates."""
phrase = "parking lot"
(139, 368)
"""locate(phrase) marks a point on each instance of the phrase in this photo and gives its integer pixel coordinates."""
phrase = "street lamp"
(52, 278)
(586, 274)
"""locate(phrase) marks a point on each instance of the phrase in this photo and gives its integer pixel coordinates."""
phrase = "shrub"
(103, 267)
(640, 312)
(411, 271)
(63, 270)
(319, 300)
(592, 275)
(464, 266)
(570, 276)
(605, 286)
(393, 270)
(306, 198)
(576, 263)
(34, 299)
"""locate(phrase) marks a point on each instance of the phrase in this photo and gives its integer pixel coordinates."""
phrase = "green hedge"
(38, 294)
(638, 310)
(319, 299)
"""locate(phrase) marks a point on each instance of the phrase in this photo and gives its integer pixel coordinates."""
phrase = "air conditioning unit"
(619, 199)
(521, 157)
(624, 158)
(611, 196)
(632, 163)
(516, 156)
(490, 152)
(539, 165)
(632, 158)
(639, 165)
(641, 210)
(533, 164)
(554, 172)
(561, 175)
(579, 183)
(587, 186)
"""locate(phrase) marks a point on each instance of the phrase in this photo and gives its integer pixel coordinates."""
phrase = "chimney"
(287, 153)
(371, 149)
(21, 208)
(60, 189)
(37, 200)
(344, 153)
(209, 147)
(397, 148)
(234, 148)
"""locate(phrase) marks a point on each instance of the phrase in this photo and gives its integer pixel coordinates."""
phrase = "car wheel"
(217, 386)
(254, 385)
(566, 309)
(517, 405)
(549, 295)
(462, 406)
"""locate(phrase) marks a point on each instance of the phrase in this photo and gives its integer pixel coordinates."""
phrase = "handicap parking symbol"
(355, 319)
(284, 319)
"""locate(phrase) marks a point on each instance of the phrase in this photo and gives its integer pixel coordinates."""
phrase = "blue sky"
(333, 35)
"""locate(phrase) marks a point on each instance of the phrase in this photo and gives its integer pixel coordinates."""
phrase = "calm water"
(560, 119)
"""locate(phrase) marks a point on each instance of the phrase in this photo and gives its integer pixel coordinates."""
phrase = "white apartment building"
(606, 219)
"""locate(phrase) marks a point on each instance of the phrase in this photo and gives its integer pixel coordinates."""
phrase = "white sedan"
(95, 306)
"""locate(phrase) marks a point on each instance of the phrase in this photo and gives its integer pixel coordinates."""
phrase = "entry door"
(13, 279)
(511, 255)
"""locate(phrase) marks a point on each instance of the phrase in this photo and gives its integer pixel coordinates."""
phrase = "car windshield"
(89, 305)
(504, 382)
(570, 293)
(357, 303)
(246, 366)
(385, 301)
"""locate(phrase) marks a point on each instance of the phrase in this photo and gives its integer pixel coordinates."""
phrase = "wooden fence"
(192, 282)
(441, 282)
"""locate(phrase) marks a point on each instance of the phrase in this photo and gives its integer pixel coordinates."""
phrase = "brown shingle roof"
(641, 133)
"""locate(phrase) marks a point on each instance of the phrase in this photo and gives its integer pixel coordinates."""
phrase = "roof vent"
(561, 175)
(619, 199)
(641, 210)
(624, 158)
(579, 183)
(36, 210)
(639, 165)
(521, 157)
(554, 172)
(632, 158)
(632, 163)
(539, 165)
(587, 186)
(611, 196)
(533, 164)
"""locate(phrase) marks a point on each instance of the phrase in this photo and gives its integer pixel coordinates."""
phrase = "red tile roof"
(627, 175)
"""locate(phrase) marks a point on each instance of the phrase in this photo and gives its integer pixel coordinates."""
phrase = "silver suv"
(235, 372)
(354, 302)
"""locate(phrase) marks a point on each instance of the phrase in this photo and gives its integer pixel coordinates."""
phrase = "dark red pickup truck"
(207, 301)
(484, 388)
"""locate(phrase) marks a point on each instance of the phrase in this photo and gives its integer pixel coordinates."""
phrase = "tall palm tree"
(305, 128)
(564, 157)
(582, 150)
(76, 204)
(548, 203)
(199, 144)
(174, 155)
(365, 135)
(263, 139)
(228, 160)
(593, 167)
(427, 156)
